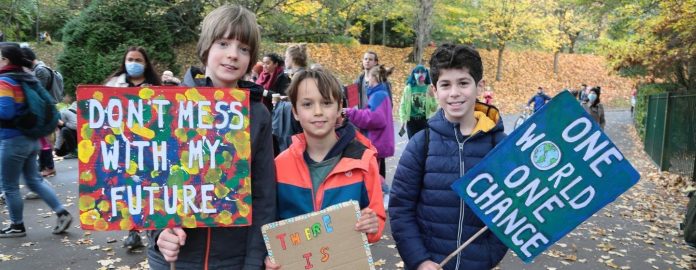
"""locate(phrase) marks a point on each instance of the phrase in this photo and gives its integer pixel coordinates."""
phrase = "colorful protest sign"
(320, 240)
(546, 178)
(163, 157)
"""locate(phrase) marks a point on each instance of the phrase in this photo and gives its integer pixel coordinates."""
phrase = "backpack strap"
(427, 145)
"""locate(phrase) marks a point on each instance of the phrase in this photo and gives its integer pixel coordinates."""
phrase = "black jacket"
(236, 247)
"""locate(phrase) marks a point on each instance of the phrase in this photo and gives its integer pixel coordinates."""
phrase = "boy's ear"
(294, 114)
(480, 87)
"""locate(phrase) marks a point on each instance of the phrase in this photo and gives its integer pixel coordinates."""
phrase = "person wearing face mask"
(136, 70)
(594, 107)
(417, 105)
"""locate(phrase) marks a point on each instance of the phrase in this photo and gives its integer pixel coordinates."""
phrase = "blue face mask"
(592, 97)
(135, 69)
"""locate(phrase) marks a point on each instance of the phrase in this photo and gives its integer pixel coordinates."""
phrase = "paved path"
(638, 231)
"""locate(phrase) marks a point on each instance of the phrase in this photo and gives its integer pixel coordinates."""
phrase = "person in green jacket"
(417, 104)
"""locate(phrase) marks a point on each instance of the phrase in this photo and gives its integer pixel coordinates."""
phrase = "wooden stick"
(172, 265)
(442, 264)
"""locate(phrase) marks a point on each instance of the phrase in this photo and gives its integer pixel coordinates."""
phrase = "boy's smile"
(228, 60)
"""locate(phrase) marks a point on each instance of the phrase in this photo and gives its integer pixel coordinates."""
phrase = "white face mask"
(135, 69)
(592, 97)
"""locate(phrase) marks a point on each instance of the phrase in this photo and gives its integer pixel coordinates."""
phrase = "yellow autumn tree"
(562, 25)
(508, 21)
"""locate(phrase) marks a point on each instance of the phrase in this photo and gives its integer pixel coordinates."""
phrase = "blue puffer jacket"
(428, 219)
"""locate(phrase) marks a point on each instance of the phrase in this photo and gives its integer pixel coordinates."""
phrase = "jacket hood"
(17, 74)
(377, 88)
(487, 116)
(196, 77)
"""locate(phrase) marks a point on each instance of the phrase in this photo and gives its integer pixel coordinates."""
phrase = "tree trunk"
(423, 24)
(679, 72)
(573, 40)
(384, 31)
(372, 33)
(499, 71)
(691, 77)
(38, 35)
(555, 61)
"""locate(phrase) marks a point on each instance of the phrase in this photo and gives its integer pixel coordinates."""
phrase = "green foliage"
(16, 19)
(400, 32)
(343, 40)
(95, 41)
(641, 109)
(54, 15)
(658, 36)
(183, 19)
(454, 21)
(633, 71)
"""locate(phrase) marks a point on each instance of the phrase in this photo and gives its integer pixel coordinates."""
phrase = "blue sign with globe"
(546, 178)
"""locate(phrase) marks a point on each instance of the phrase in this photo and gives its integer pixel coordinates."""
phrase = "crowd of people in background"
(318, 128)
(19, 151)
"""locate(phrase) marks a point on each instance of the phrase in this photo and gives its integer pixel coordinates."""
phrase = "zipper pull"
(461, 146)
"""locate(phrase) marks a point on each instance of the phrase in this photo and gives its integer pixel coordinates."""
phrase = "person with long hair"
(594, 107)
(272, 78)
(376, 118)
(135, 70)
(296, 58)
(416, 103)
(18, 153)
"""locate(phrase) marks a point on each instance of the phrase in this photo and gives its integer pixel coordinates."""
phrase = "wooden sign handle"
(446, 260)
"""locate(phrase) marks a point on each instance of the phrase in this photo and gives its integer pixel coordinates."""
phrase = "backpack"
(55, 84)
(41, 117)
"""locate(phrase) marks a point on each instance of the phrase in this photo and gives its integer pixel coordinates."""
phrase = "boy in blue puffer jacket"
(428, 219)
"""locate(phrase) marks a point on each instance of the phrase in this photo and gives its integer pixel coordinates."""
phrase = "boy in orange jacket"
(326, 165)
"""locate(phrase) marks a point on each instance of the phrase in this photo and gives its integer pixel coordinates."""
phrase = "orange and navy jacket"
(355, 177)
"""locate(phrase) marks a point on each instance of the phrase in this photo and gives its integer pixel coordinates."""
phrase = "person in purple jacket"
(376, 118)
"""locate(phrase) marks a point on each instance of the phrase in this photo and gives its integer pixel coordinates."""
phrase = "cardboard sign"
(546, 178)
(161, 157)
(320, 240)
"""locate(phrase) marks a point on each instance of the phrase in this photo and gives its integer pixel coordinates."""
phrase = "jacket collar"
(488, 120)
(376, 88)
(355, 152)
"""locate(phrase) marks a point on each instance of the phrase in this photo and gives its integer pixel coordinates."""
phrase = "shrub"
(641, 109)
(96, 40)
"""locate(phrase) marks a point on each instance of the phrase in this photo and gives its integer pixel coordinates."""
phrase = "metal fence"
(670, 132)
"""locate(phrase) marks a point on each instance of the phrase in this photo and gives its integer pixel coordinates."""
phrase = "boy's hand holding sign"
(325, 239)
